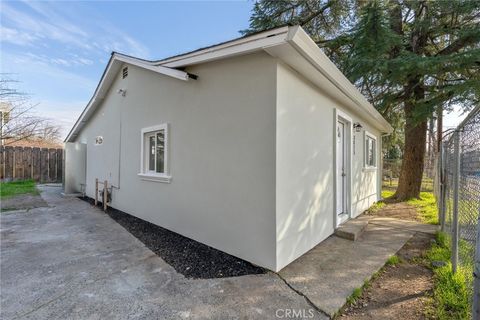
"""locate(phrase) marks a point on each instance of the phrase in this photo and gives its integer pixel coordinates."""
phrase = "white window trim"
(367, 167)
(146, 175)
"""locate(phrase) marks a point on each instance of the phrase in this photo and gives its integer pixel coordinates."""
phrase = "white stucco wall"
(305, 171)
(222, 153)
(75, 167)
(251, 157)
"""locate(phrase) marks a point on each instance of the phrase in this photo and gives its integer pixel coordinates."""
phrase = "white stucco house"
(259, 146)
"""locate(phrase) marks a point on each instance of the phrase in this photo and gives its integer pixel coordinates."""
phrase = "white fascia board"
(168, 71)
(305, 46)
(233, 48)
(271, 41)
(82, 120)
(111, 71)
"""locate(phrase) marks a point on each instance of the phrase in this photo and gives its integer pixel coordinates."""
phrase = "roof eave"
(274, 39)
(306, 47)
(239, 46)
(294, 37)
(108, 76)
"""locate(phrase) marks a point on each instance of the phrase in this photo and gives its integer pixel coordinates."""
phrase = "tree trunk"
(411, 172)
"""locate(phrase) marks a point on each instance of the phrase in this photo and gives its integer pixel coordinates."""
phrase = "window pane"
(367, 151)
(151, 153)
(161, 151)
(373, 152)
(370, 151)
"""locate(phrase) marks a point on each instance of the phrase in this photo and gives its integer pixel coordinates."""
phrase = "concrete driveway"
(71, 261)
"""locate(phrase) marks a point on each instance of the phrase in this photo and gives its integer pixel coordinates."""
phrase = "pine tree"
(409, 58)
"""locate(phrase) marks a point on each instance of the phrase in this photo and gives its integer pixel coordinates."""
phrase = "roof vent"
(125, 72)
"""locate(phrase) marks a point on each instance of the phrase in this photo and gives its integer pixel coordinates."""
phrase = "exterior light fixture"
(357, 126)
(123, 92)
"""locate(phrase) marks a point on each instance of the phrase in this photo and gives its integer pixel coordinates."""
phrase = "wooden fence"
(23, 163)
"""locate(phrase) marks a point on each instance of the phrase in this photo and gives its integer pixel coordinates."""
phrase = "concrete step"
(353, 228)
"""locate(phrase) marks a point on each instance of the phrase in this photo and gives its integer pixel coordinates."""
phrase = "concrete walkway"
(71, 261)
(330, 272)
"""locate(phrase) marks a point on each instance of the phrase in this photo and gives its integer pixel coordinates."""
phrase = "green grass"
(376, 206)
(393, 260)
(426, 206)
(10, 189)
(450, 293)
(387, 193)
(356, 294)
(426, 186)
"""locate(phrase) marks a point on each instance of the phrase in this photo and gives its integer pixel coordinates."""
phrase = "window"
(370, 150)
(155, 154)
(156, 151)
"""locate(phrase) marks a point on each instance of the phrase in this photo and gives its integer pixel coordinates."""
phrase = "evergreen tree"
(409, 58)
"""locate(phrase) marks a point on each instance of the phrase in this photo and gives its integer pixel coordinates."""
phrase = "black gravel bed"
(191, 258)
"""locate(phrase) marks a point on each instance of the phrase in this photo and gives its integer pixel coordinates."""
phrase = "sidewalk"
(328, 274)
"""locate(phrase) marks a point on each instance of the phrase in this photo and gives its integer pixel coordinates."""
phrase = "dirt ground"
(399, 210)
(400, 291)
(22, 202)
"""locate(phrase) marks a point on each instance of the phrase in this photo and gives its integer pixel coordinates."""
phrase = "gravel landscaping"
(188, 257)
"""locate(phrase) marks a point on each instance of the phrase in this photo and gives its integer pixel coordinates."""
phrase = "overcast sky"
(58, 50)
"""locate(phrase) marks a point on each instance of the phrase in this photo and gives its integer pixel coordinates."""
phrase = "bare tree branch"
(18, 120)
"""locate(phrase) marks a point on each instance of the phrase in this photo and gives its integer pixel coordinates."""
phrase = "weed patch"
(393, 260)
(450, 295)
(387, 193)
(376, 206)
(426, 206)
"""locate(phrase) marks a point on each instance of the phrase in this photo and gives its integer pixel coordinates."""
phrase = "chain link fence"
(458, 198)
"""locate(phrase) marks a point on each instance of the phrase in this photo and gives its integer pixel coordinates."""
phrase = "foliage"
(409, 58)
(357, 293)
(387, 193)
(436, 42)
(10, 189)
(322, 19)
(376, 206)
(442, 239)
(393, 260)
(450, 294)
(427, 207)
(381, 45)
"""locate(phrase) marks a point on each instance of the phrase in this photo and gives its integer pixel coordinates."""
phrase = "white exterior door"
(342, 213)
